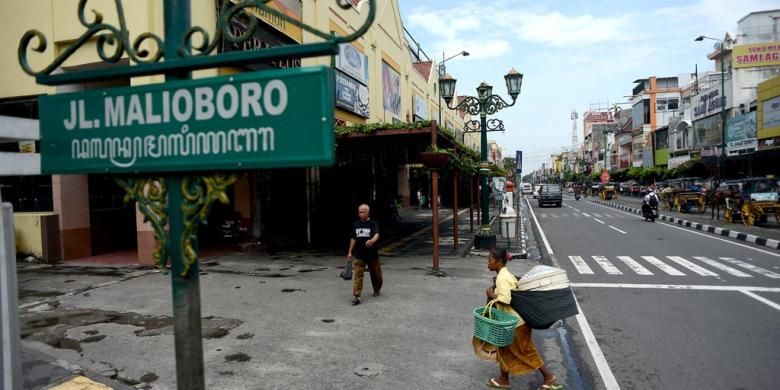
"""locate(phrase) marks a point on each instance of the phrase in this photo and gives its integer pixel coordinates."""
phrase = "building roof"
(424, 69)
(637, 81)
(757, 12)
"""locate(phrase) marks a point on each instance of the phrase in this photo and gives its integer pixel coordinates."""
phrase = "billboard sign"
(352, 62)
(420, 107)
(741, 134)
(757, 54)
(351, 95)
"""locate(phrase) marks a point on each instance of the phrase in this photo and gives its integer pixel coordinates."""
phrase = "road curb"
(761, 241)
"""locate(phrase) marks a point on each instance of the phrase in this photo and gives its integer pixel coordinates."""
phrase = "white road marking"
(580, 264)
(609, 215)
(596, 215)
(761, 299)
(598, 357)
(606, 265)
(556, 216)
(663, 266)
(754, 268)
(599, 221)
(542, 215)
(541, 232)
(636, 267)
(617, 229)
(691, 266)
(749, 291)
(724, 268)
(593, 345)
(678, 287)
(705, 235)
(586, 214)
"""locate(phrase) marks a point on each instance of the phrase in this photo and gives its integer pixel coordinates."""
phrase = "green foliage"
(634, 173)
(369, 128)
(495, 171)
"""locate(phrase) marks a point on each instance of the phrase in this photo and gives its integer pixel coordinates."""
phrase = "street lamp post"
(721, 49)
(484, 104)
(442, 71)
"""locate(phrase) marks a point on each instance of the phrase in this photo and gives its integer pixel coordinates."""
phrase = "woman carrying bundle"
(521, 356)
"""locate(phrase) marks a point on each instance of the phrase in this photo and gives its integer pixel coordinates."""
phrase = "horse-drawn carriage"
(684, 194)
(608, 191)
(757, 198)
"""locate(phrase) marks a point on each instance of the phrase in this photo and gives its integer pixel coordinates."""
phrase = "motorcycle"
(650, 213)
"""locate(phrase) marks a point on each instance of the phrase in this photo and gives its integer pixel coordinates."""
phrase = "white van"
(527, 189)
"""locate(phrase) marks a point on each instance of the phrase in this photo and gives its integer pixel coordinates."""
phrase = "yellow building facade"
(377, 71)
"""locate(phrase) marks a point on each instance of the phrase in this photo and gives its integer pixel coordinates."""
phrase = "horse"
(667, 194)
(718, 198)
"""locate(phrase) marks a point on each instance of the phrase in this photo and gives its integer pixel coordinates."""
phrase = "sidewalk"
(280, 321)
(767, 234)
(285, 321)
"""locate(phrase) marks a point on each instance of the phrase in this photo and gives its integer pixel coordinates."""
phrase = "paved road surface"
(669, 307)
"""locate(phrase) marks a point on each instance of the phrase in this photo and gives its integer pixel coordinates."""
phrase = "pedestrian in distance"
(362, 244)
(420, 199)
(520, 357)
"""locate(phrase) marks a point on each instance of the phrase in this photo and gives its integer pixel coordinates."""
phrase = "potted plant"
(434, 157)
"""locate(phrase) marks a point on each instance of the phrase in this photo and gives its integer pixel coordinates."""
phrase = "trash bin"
(508, 225)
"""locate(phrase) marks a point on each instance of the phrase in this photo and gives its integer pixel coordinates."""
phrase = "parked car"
(550, 194)
(625, 187)
(635, 189)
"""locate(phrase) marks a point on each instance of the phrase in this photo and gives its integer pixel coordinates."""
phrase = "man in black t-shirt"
(362, 244)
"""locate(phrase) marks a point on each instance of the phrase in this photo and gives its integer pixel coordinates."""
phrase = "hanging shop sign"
(757, 54)
(519, 162)
(276, 118)
(741, 134)
(352, 62)
(351, 95)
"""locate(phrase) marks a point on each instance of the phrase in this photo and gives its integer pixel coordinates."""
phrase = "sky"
(572, 54)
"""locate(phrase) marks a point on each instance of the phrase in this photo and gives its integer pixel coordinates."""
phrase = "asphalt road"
(670, 308)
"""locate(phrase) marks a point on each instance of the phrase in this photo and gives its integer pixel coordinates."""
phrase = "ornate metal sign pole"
(112, 131)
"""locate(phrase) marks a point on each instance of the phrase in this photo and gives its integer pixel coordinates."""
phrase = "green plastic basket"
(494, 326)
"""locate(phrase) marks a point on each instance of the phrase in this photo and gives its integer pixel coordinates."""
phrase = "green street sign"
(269, 119)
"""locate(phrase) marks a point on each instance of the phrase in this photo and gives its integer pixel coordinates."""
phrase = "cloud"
(559, 30)
(535, 26)
(478, 49)
(715, 16)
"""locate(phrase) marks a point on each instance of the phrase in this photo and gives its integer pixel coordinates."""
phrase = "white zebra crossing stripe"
(724, 268)
(586, 214)
(636, 267)
(606, 265)
(751, 267)
(580, 265)
(691, 266)
(663, 266)
(596, 215)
